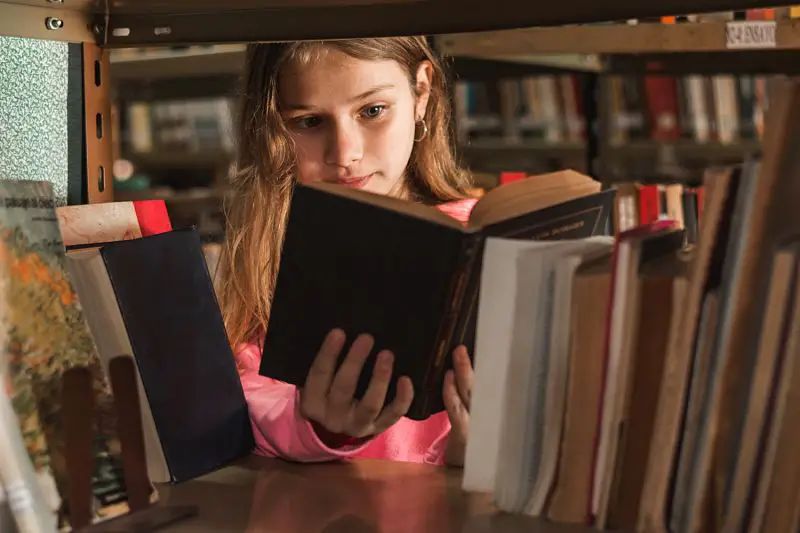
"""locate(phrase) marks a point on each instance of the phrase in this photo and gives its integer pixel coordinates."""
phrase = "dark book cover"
(406, 280)
(174, 323)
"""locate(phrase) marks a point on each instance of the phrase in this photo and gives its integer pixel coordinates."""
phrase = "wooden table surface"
(358, 496)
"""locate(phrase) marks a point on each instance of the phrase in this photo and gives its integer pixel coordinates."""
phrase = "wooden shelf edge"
(535, 63)
(223, 60)
(682, 148)
(159, 23)
(180, 158)
(153, 22)
(525, 44)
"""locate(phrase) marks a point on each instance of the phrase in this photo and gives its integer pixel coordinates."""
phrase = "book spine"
(458, 289)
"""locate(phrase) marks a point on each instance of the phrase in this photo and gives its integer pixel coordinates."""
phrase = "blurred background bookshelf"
(657, 99)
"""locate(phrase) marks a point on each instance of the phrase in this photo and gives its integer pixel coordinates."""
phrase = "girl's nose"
(345, 145)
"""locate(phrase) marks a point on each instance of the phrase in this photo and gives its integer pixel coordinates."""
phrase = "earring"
(424, 130)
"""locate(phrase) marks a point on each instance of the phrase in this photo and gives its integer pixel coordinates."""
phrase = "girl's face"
(353, 121)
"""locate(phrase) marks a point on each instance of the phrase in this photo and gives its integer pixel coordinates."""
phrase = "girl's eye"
(308, 122)
(374, 111)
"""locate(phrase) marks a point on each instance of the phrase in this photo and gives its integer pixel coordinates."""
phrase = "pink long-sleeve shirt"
(280, 430)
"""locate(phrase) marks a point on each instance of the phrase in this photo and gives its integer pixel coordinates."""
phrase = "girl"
(366, 113)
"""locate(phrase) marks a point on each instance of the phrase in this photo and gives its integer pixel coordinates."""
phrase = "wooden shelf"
(654, 47)
(153, 88)
(180, 159)
(499, 150)
(686, 149)
(632, 149)
(227, 61)
(607, 39)
(220, 60)
(122, 23)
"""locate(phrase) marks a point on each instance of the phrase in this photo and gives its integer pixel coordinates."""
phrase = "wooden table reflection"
(271, 496)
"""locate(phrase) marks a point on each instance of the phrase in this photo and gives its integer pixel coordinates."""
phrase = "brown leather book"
(667, 429)
(663, 285)
(571, 495)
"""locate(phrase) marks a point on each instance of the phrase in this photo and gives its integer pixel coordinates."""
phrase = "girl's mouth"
(356, 182)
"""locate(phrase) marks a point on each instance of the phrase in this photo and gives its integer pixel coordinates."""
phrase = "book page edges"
(530, 195)
(111, 336)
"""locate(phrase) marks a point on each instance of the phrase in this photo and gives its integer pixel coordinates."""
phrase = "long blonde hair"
(257, 206)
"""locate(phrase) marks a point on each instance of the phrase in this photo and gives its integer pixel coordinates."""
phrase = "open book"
(404, 272)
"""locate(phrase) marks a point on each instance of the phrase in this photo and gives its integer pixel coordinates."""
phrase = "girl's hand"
(327, 397)
(457, 394)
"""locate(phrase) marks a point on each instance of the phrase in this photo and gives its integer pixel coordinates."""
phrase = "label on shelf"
(744, 34)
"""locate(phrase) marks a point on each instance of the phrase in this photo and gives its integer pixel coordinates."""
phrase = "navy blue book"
(163, 290)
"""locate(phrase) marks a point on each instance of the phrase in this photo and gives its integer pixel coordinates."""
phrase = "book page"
(557, 350)
(529, 195)
(108, 328)
(536, 366)
(527, 378)
(493, 346)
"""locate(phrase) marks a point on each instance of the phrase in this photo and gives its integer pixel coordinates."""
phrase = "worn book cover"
(405, 273)
(91, 225)
(46, 334)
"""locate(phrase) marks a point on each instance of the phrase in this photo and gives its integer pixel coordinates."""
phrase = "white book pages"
(518, 445)
(558, 352)
(523, 430)
(493, 336)
(103, 315)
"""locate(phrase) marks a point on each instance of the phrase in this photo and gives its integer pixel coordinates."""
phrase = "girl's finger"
(340, 396)
(399, 406)
(371, 404)
(318, 382)
(456, 410)
(463, 374)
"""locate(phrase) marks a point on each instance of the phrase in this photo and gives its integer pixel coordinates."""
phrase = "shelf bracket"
(97, 125)
(100, 29)
(44, 22)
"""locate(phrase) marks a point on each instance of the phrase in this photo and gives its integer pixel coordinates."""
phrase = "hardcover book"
(152, 299)
(91, 225)
(404, 272)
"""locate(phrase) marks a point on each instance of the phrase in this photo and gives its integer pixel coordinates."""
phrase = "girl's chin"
(395, 188)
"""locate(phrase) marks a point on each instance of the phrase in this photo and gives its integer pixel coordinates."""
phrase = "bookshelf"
(694, 47)
(154, 22)
(615, 39)
(586, 50)
(549, 38)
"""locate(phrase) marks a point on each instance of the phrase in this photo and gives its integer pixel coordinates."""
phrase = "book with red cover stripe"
(639, 233)
(661, 94)
(94, 224)
(649, 203)
(153, 217)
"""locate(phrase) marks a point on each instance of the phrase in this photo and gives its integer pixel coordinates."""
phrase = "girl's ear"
(423, 88)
